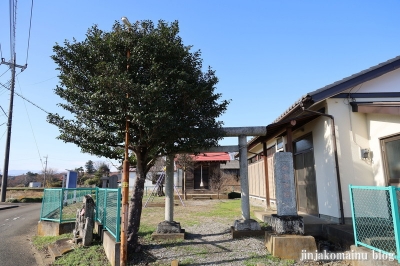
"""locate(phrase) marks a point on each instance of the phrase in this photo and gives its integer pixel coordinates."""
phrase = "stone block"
(60, 247)
(168, 236)
(245, 225)
(98, 228)
(287, 224)
(246, 233)
(166, 227)
(268, 240)
(290, 246)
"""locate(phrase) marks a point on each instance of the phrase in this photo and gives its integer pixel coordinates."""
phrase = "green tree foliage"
(80, 172)
(89, 167)
(103, 169)
(145, 75)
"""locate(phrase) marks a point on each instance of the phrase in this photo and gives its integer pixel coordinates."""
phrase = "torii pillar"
(170, 226)
(242, 132)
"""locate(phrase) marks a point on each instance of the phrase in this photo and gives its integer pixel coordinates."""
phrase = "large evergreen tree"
(147, 75)
(89, 167)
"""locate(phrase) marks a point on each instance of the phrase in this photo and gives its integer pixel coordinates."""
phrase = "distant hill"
(21, 172)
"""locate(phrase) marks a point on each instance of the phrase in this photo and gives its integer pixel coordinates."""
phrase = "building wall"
(356, 131)
(256, 178)
(320, 128)
(380, 125)
(148, 183)
(351, 137)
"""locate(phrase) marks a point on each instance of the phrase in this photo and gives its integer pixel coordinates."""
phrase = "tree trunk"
(135, 209)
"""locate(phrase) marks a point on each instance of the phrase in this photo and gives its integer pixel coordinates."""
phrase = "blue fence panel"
(60, 205)
(375, 218)
(50, 210)
(109, 210)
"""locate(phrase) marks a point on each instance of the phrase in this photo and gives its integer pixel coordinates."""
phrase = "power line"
(26, 99)
(29, 119)
(4, 72)
(29, 36)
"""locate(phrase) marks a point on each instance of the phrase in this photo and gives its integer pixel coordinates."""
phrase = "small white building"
(345, 133)
(35, 184)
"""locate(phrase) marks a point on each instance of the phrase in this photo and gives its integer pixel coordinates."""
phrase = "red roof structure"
(212, 157)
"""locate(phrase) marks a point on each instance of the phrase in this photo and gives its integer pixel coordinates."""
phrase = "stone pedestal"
(289, 247)
(287, 224)
(243, 225)
(166, 227)
(246, 228)
(168, 231)
(104, 181)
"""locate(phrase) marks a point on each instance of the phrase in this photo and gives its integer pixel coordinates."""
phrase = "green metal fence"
(60, 204)
(376, 218)
(108, 209)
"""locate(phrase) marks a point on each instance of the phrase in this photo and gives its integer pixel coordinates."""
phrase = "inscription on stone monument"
(284, 184)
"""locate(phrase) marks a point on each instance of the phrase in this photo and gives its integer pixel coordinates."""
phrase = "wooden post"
(267, 199)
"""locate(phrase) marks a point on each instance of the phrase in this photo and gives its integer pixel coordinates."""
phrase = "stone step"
(60, 247)
(201, 197)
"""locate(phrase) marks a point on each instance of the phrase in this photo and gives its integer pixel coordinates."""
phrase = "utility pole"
(45, 171)
(4, 180)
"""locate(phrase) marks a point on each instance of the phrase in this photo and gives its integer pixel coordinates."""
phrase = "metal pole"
(125, 190)
(125, 204)
(45, 170)
(8, 141)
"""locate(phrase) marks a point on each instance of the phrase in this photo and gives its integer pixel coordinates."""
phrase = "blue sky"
(266, 54)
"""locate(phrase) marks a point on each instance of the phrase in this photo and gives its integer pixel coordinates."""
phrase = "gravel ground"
(211, 243)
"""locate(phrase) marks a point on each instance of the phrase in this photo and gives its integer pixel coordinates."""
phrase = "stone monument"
(104, 180)
(113, 181)
(286, 221)
(85, 221)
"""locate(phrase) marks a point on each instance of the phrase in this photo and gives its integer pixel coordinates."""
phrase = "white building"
(363, 147)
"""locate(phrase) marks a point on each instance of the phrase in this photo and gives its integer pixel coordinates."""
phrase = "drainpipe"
(336, 162)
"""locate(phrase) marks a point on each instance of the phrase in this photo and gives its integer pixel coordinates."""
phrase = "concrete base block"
(245, 233)
(367, 257)
(289, 246)
(287, 224)
(246, 225)
(111, 248)
(49, 228)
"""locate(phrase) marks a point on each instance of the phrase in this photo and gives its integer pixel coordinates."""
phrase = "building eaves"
(344, 84)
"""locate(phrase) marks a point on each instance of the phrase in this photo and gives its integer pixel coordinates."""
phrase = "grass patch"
(229, 209)
(85, 256)
(267, 260)
(145, 232)
(186, 261)
(41, 242)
